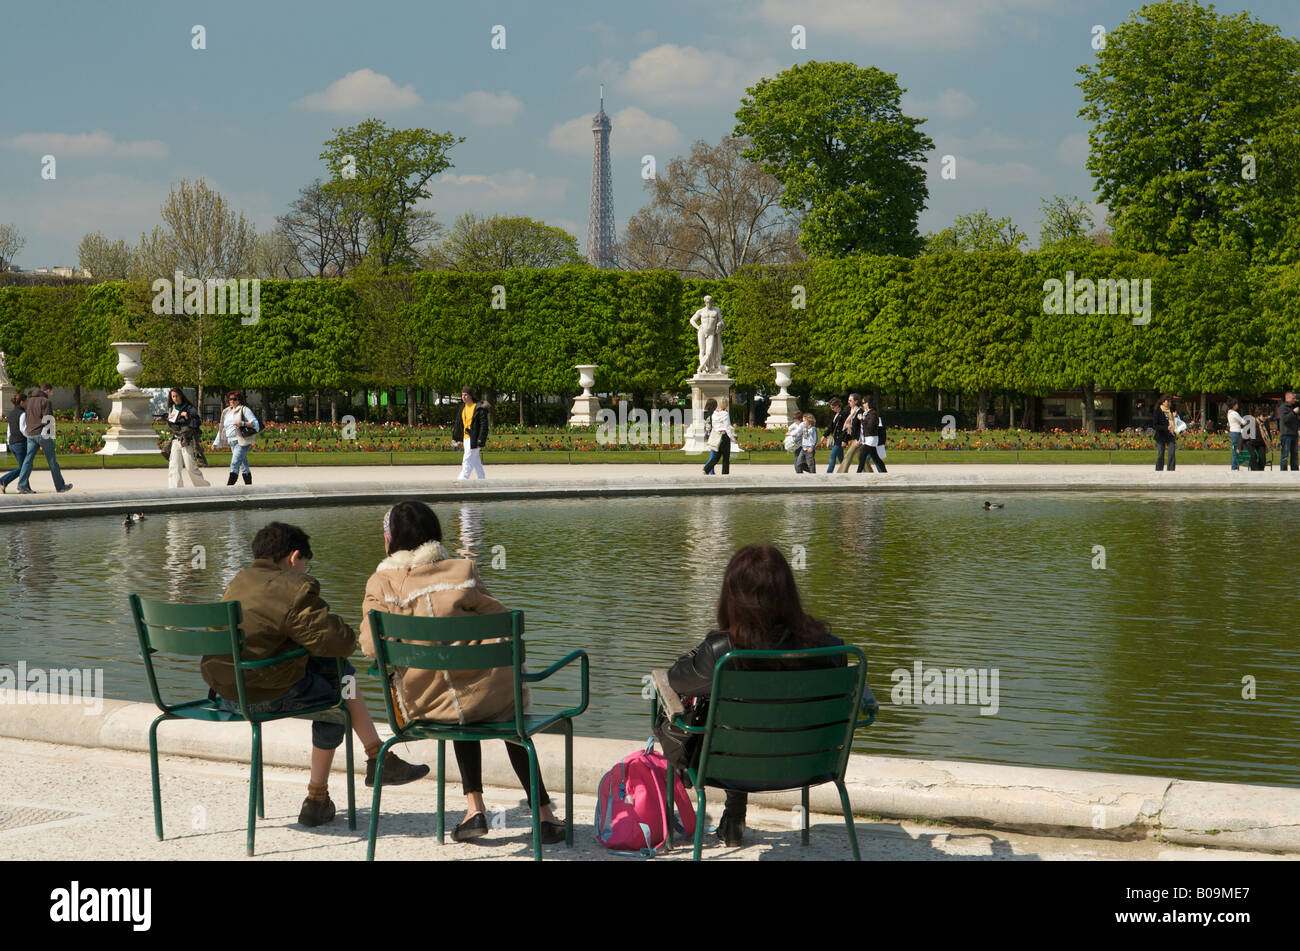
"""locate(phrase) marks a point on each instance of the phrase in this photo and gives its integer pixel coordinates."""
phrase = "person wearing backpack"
(759, 609)
(873, 437)
(238, 428)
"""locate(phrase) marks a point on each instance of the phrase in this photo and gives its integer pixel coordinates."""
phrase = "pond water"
(1179, 658)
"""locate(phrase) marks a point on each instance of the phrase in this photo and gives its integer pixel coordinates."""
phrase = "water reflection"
(1137, 667)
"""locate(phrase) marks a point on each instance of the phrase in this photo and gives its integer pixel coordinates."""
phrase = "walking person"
(1166, 433)
(835, 437)
(873, 429)
(719, 434)
(804, 433)
(852, 432)
(17, 440)
(237, 430)
(1288, 431)
(1236, 422)
(1260, 446)
(38, 415)
(185, 451)
(471, 430)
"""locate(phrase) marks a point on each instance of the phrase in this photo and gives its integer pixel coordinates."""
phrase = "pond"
(1129, 633)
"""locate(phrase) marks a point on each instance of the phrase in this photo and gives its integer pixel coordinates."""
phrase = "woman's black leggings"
(469, 757)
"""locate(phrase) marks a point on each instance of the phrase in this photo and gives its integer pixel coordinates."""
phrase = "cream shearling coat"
(430, 582)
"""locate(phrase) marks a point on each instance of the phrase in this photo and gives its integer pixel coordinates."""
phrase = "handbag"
(681, 749)
(166, 450)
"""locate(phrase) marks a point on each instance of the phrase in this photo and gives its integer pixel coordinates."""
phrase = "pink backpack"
(631, 815)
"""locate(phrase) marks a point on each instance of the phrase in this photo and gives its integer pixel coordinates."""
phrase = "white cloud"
(1073, 149)
(672, 74)
(98, 143)
(633, 132)
(949, 104)
(360, 91)
(986, 140)
(928, 24)
(487, 108)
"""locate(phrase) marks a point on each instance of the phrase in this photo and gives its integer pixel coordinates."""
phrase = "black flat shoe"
(552, 833)
(731, 831)
(475, 827)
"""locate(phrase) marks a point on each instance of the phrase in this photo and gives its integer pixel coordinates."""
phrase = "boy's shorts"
(319, 685)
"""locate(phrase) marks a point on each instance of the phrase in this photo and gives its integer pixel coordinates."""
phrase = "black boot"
(233, 477)
(248, 478)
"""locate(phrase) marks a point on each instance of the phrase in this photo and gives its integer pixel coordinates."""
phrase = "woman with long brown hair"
(237, 429)
(759, 609)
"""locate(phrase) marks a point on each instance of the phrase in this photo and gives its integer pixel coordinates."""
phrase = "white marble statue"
(708, 325)
(4, 371)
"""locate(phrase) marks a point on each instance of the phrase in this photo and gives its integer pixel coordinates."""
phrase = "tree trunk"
(982, 410)
(76, 395)
(1204, 407)
(1088, 391)
(520, 397)
(318, 406)
(752, 396)
(334, 408)
(410, 406)
(1029, 422)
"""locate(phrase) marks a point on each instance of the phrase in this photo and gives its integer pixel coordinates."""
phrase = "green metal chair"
(433, 650)
(768, 730)
(201, 629)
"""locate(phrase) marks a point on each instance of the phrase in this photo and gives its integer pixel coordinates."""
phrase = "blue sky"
(117, 94)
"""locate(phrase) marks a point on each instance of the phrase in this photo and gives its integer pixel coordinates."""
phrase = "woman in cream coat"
(421, 578)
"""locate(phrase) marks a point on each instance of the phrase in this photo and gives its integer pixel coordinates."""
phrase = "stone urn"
(130, 424)
(586, 407)
(783, 404)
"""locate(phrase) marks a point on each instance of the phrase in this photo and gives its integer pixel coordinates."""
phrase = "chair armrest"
(543, 674)
(277, 659)
(583, 671)
(672, 703)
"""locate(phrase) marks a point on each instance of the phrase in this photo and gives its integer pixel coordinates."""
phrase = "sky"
(118, 94)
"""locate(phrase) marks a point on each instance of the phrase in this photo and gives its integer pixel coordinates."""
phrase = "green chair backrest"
(190, 630)
(785, 728)
(426, 643)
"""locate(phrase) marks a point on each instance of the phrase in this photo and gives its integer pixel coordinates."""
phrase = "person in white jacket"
(1236, 423)
(237, 430)
(719, 434)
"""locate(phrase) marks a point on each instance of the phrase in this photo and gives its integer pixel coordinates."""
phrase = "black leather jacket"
(478, 427)
(187, 428)
(692, 674)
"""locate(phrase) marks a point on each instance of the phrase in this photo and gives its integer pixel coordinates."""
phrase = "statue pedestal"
(130, 426)
(704, 387)
(586, 407)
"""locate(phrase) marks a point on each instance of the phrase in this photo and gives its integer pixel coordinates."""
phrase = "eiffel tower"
(600, 223)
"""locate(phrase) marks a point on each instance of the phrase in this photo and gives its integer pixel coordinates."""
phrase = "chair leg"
(153, 769)
(701, 805)
(374, 800)
(803, 832)
(532, 798)
(442, 792)
(568, 784)
(253, 797)
(261, 794)
(848, 819)
(668, 807)
(352, 779)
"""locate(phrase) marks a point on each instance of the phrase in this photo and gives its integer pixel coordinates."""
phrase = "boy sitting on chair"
(282, 611)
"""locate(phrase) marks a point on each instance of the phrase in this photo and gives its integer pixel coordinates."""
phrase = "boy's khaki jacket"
(430, 582)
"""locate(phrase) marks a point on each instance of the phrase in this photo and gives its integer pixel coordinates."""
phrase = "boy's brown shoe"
(315, 813)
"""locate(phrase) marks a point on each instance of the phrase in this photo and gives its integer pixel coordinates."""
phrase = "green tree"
(500, 243)
(1196, 131)
(976, 231)
(835, 136)
(382, 173)
(1066, 220)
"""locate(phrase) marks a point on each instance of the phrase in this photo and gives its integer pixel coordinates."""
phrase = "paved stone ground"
(76, 803)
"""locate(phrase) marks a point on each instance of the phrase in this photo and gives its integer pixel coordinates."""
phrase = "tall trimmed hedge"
(963, 322)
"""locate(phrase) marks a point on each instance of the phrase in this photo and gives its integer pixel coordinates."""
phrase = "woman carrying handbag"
(237, 430)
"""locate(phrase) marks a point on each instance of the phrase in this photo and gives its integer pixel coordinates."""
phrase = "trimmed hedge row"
(958, 322)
